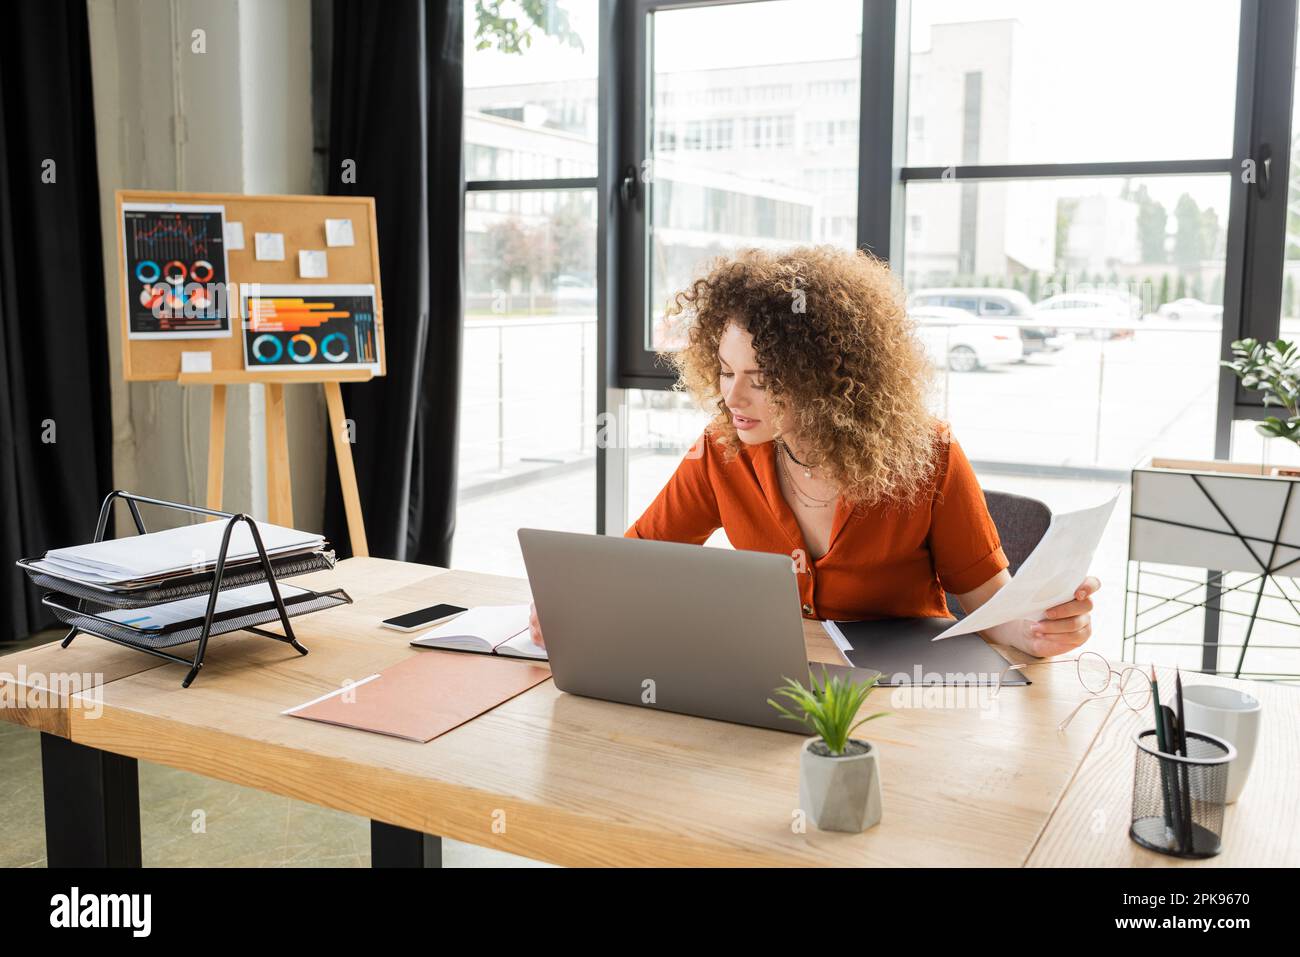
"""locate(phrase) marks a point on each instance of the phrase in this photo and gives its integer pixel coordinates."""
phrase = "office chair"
(1021, 523)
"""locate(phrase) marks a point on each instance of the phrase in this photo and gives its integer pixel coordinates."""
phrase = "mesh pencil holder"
(1178, 801)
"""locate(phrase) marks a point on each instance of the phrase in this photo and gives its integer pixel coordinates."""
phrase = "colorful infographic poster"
(308, 326)
(176, 272)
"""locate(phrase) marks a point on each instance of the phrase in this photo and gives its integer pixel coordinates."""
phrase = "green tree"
(571, 238)
(1210, 231)
(1152, 223)
(1146, 291)
(1189, 234)
(1180, 292)
(496, 28)
(1065, 210)
(514, 251)
(1164, 290)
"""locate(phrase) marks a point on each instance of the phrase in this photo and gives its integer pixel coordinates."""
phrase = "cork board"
(301, 221)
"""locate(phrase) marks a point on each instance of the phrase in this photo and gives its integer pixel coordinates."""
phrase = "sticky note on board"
(234, 236)
(338, 232)
(196, 361)
(312, 264)
(270, 246)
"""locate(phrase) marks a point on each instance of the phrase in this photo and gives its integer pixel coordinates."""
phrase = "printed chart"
(176, 271)
(306, 326)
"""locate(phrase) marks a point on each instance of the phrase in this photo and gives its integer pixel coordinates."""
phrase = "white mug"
(1229, 714)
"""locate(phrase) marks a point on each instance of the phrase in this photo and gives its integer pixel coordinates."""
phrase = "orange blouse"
(882, 562)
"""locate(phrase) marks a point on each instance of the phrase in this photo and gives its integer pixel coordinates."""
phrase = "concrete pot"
(840, 793)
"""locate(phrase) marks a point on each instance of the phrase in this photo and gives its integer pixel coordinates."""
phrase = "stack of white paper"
(122, 562)
(173, 613)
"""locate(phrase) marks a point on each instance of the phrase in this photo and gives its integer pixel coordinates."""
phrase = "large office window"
(1085, 204)
(1113, 280)
(1085, 212)
(528, 394)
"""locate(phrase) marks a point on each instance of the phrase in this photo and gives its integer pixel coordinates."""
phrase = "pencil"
(1184, 773)
(1166, 791)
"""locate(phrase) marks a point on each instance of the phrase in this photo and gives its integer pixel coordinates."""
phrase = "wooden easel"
(279, 500)
(300, 219)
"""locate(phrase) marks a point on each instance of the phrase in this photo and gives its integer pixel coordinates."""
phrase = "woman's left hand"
(1063, 627)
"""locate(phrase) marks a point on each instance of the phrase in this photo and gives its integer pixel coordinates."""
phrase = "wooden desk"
(577, 781)
(1261, 830)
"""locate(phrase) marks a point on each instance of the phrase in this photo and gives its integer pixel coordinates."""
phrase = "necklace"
(807, 469)
(806, 500)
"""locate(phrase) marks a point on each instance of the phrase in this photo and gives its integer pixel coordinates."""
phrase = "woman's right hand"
(535, 626)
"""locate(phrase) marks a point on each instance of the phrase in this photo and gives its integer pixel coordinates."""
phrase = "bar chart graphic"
(309, 326)
(176, 271)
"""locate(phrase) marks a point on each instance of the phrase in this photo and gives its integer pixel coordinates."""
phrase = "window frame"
(1257, 215)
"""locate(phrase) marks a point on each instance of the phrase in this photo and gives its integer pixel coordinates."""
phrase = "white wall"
(235, 118)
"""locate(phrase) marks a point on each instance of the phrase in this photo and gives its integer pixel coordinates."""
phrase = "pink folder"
(425, 695)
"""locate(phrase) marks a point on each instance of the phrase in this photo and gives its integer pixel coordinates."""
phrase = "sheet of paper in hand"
(1049, 575)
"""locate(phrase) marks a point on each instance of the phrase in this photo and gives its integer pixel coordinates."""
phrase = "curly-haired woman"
(821, 447)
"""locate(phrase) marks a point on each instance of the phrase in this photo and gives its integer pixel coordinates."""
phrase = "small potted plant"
(839, 776)
(1273, 370)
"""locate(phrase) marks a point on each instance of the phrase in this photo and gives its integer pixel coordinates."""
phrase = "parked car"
(1095, 312)
(1190, 309)
(951, 338)
(574, 291)
(992, 305)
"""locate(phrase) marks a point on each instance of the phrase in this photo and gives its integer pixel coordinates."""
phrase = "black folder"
(901, 650)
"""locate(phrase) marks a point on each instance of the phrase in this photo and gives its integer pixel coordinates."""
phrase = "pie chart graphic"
(311, 326)
(175, 270)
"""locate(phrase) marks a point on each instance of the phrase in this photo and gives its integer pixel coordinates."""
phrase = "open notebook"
(486, 630)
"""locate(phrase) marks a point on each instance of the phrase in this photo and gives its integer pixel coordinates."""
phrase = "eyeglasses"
(1095, 673)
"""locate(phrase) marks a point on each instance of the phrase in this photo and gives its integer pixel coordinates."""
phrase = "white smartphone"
(415, 620)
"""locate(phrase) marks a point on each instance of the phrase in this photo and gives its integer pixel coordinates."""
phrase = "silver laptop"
(702, 631)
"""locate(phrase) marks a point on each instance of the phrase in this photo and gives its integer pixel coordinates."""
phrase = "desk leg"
(92, 805)
(393, 846)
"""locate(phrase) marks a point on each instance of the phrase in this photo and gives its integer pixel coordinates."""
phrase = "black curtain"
(55, 424)
(395, 125)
